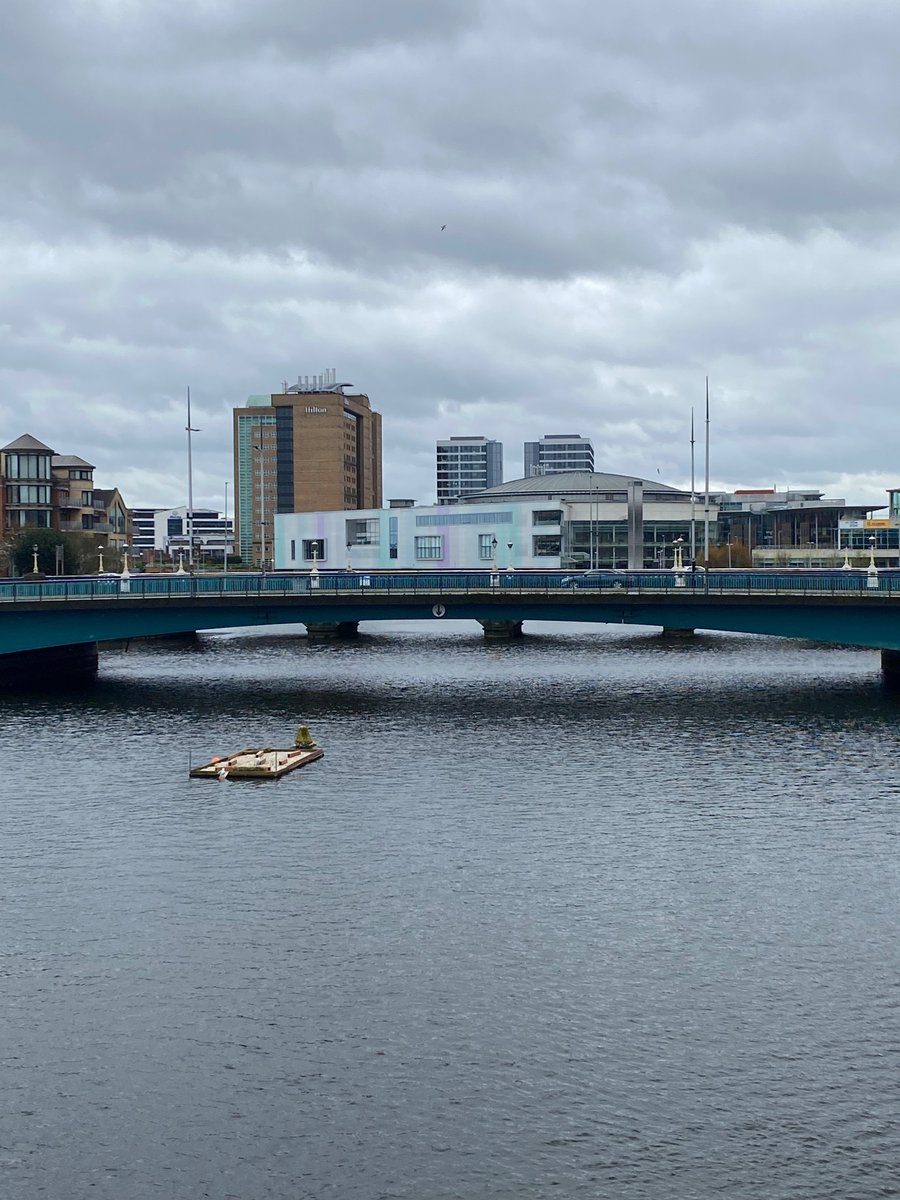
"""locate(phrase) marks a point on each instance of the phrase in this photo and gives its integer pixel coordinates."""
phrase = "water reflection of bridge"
(45, 625)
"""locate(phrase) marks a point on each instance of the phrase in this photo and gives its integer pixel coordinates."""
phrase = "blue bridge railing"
(762, 583)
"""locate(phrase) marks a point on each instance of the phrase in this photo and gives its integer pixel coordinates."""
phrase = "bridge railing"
(461, 583)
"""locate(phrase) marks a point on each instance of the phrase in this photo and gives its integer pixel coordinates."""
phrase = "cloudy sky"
(227, 194)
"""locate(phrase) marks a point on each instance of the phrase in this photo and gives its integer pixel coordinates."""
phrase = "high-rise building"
(307, 448)
(467, 464)
(557, 452)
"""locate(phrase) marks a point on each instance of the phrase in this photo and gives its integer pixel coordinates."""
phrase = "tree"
(735, 555)
(77, 549)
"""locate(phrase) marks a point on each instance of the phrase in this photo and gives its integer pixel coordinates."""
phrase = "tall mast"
(694, 498)
(706, 497)
(190, 512)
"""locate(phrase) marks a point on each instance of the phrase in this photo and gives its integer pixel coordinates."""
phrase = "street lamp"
(314, 572)
(34, 562)
(509, 561)
(225, 534)
(125, 571)
(872, 570)
(349, 559)
(262, 507)
(678, 563)
(189, 429)
(100, 550)
(493, 554)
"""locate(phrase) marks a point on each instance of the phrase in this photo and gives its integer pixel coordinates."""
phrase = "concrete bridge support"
(332, 631)
(501, 631)
(890, 667)
(57, 666)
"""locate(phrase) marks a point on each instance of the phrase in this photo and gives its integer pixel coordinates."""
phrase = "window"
(363, 532)
(431, 547)
(87, 498)
(475, 517)
(546, 516)
(174, 527)
(487, 546)
(545, 545)
(28, 466)
(38, 520)
(293, 550)
(313, 549)
(28, 493)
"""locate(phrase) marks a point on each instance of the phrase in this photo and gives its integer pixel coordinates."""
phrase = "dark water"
(591, 915)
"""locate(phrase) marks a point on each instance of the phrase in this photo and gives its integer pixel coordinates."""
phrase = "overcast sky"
(227, 194)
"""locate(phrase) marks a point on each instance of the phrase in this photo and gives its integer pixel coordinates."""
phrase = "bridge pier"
(501, 631)
(55, 666)
(890, 667)
(332, 631)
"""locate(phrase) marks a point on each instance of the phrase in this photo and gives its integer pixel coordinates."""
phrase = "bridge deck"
(833, 608)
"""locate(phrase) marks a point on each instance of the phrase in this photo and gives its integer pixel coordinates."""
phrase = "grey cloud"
(227, 194)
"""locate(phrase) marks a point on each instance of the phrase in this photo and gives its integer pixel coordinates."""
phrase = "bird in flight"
(443, 227)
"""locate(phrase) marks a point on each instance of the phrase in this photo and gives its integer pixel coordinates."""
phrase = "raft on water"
(257, 764)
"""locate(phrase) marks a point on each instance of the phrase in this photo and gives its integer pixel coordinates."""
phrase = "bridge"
(52, 627)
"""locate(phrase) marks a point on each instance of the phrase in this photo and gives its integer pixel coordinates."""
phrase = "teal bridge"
(47, 624)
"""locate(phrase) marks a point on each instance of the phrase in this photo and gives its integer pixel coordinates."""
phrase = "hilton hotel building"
(309, 448)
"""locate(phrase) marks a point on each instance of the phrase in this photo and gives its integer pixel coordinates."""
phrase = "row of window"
(27, 493)
(27, 466)
(430, 547)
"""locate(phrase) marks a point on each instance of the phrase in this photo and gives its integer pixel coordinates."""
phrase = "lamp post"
(34, 562)
(262, 508)
(509, 561)
(314, 573)
(189, 429)
(872, 570)
(225, 534)
(678, 564)
(100, 550)
(125, 571)
(349, 559)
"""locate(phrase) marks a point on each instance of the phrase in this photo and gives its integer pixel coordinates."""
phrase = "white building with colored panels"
(574, 519)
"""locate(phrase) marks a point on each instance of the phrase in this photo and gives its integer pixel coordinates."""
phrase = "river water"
(592, 914)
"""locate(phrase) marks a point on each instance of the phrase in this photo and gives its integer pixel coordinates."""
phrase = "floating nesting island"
(257, 764)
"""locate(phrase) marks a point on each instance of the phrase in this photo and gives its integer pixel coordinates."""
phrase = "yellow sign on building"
(879, 524)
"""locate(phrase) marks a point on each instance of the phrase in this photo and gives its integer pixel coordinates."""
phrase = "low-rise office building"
(568, 520)
(165, 534)
(796, 527)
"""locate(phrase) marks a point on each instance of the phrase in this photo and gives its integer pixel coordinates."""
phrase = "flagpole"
(706, 497)
(694, 499)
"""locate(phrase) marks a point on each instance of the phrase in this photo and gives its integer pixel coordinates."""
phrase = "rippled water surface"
(588, 915)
